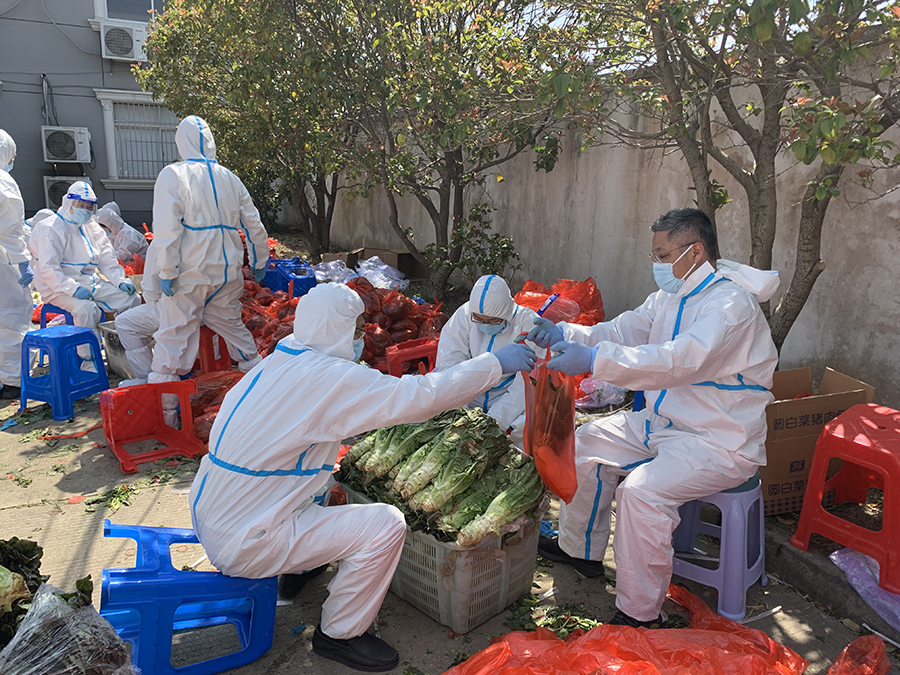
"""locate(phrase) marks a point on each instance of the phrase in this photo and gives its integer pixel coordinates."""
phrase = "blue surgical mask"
(665, 277)
(358, 346)
(492, 328)
(9, 167)
(81, 216)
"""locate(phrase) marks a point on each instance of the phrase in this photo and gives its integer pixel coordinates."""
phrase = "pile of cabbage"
(456, 476)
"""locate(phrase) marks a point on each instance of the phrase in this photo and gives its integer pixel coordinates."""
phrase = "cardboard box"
(398, 258)
(794, 425)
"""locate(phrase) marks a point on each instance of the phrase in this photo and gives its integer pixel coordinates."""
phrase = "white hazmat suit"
(461, 339)
(199, 210)
(15, 301)
(70, 255)
(256, 502)
(705, 358)
(126, 241)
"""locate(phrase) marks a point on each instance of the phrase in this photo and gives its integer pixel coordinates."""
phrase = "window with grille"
(133, 10)
(144, 139)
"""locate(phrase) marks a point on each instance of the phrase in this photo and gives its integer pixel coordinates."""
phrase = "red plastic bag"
(722, 647)
(863, 656)
(550, 428)
(568, 294)
(203, 424)
(211, 389)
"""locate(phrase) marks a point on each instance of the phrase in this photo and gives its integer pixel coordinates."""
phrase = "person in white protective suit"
(488, 321)
(126, 241)
(701, 350)
(75, 267)
(15, 273)
(34, 221)
(257, 500)
(199, 210)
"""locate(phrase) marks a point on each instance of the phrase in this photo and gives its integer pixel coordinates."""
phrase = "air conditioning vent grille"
(119, 41)
(61, 145)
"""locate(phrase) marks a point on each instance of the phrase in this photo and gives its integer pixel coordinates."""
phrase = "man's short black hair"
(687, 225)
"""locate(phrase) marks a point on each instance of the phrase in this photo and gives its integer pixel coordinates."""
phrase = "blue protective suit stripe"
(288, 350)
(225, 282)
(741, 386)
(487, 394)
(594, 510)
(265, 474)
(487, 285)
(197, 498)
(238, 405)
(88, 242)
(629, 467)
(208, 227)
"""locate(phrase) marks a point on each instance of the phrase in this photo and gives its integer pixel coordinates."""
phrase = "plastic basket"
(116, 361)
(281, 271)
(462, 587)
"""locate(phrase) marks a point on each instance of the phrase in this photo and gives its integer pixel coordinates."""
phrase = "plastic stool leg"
(686, 532)
(733, 562)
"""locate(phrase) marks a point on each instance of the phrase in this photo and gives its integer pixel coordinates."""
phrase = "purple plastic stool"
(742, 554)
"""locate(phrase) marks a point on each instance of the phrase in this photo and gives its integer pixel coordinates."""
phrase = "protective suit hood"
(39, 217)
(326, 319)
(761, 283)
(111, 216)
(491, 297)
(78, 191)
(7, 148)
(194, 139)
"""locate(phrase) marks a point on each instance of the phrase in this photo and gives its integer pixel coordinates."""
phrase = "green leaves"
(803, 43)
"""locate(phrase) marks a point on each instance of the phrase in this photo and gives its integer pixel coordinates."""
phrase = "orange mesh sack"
(550, 428)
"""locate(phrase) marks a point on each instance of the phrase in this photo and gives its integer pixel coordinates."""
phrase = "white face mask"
(358, 346)
(665, 278)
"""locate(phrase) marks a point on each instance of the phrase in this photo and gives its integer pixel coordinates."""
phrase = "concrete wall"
(590, 217)
(32, 45)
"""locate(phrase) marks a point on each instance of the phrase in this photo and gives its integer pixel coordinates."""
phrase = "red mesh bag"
(550, 428)
(211, 389)
(583, 294)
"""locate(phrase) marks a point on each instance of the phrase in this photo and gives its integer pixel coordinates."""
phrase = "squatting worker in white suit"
(701, 350)
(488, 321)
(199, 210)
(15, 273)
(256, 502)
(75, 267)
(126, 241)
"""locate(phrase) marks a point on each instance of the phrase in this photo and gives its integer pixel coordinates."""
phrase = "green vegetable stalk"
(524, 490)
(392, 438)
(403, 448)
(363, 446)
(473, 502)
(413, 463)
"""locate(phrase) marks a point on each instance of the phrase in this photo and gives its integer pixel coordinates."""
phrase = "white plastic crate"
(463, 586)
(116, 361)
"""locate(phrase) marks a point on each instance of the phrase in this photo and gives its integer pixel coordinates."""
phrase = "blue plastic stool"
(742, 549)
(47, 308)
(146, 604)
(66, 382)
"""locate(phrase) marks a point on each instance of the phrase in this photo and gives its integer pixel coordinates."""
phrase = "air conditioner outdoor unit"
(66, 144)
(123, 40)
(56, 187)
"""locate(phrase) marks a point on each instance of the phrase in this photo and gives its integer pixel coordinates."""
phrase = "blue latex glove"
(572, 358)
(128, 287)
(26, 274)
(259, 275)
(83, 294)
(514, 358)
(167, 286)
(545, 333)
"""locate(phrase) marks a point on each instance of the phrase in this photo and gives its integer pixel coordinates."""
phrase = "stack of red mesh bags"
(268, 316)
(205, 404)
(133, 266)
(575, 302)
(392, 318)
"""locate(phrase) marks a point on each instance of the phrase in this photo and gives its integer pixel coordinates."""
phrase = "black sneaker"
(366, 652)
(9, 392)
(290, 585)
(620, 618)
(589, 569)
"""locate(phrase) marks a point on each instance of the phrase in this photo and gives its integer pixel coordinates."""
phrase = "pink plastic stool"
(742, 549)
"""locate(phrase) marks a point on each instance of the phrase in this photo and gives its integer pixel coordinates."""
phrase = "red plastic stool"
(423, 348)
(867, 438)
(133, 414)
(209, 363)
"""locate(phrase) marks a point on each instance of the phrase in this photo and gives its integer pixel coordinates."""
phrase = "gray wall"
(32, 45)
(591, 215)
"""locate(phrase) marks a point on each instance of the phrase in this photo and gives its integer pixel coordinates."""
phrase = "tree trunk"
(808, 265)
